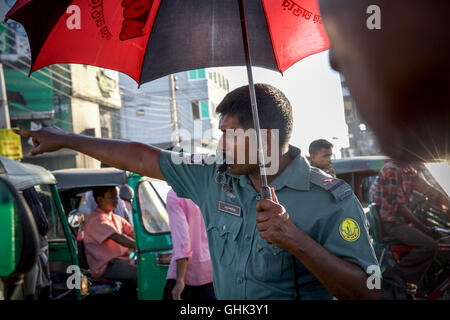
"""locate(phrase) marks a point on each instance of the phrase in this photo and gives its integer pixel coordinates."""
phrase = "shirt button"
(248, 237)
(258, 197)
(224, 227)
(240, 280)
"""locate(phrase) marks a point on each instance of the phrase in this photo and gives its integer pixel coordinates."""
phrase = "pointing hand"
(44, 140)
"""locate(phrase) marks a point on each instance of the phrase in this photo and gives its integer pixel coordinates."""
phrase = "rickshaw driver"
(252, 240)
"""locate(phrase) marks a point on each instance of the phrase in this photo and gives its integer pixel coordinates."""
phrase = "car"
(149, 217)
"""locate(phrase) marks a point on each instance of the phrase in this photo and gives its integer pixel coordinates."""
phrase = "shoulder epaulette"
(338, 188)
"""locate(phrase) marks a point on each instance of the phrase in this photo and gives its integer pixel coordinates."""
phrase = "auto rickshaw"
(149, 219)
(61, 252)
(359, 173)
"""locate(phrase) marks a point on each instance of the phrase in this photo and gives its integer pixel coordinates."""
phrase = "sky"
(315, 93)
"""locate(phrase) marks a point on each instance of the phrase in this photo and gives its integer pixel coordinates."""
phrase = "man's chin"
(237, 169)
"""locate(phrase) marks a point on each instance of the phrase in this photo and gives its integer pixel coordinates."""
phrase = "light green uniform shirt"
(244, 265)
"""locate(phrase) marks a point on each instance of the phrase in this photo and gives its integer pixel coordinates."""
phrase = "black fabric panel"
(193, 34)
(39, 17)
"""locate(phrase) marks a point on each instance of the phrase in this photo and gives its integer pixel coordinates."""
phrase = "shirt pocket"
(224, 232)
(272, 262)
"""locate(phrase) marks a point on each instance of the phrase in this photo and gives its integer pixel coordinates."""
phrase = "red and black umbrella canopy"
(148, 39)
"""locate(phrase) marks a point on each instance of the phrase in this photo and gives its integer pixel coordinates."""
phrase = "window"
(204, 108)
(89, 132)
(200, 109)
(195, 111)
(55, 230)
(105, 132)
(152, 210)
(197, 74)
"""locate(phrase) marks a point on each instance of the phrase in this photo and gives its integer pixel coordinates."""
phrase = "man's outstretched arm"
(131, 156)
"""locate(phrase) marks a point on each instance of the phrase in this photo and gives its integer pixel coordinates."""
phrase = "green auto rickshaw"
(21, 176)
(149, 219)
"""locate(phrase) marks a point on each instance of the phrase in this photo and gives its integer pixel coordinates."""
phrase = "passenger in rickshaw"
(109, 239)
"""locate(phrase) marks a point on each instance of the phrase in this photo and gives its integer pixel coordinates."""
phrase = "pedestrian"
(190, 272)
(320, 153)
(312, 242)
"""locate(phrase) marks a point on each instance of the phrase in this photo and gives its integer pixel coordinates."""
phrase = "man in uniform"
(313, 229)
(320, 153)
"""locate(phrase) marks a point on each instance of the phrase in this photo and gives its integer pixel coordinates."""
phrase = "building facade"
(148, 113)
(362, 140)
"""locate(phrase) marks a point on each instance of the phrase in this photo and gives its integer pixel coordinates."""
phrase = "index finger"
(22, 132)
(264, 205)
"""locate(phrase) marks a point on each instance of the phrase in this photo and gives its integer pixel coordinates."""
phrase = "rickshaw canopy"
(24, 175)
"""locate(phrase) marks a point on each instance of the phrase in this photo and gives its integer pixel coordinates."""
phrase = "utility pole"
(4, 110)
(174, 112)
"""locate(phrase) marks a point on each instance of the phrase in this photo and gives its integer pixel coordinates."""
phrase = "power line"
(66, 95)
(70, 87)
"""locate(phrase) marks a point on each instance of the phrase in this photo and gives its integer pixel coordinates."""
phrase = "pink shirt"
(99, 248)
(189, 241)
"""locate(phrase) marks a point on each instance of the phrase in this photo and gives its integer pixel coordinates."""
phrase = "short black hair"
(274, 109)
(100, 191)
(316, 145)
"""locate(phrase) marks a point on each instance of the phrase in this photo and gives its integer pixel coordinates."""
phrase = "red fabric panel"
(296, 30)
(113, 34)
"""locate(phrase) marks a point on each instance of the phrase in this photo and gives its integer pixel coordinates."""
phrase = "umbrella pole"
(265, 191)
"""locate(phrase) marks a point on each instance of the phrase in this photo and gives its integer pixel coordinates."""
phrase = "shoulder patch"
(349, 230)
(338, 188)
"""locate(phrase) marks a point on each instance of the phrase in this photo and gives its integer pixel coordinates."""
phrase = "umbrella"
(148, 39)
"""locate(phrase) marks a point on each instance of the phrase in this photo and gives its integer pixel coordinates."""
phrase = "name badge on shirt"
(230, 208)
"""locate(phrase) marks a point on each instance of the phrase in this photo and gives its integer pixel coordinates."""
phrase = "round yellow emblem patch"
(349, 230)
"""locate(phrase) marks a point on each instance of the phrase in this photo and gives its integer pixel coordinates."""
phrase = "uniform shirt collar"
(296, 175)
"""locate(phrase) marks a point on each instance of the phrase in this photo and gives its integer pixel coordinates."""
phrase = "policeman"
(312, 236)
(320, 152)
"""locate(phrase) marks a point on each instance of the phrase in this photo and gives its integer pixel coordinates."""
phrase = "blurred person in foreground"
(399, 74)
